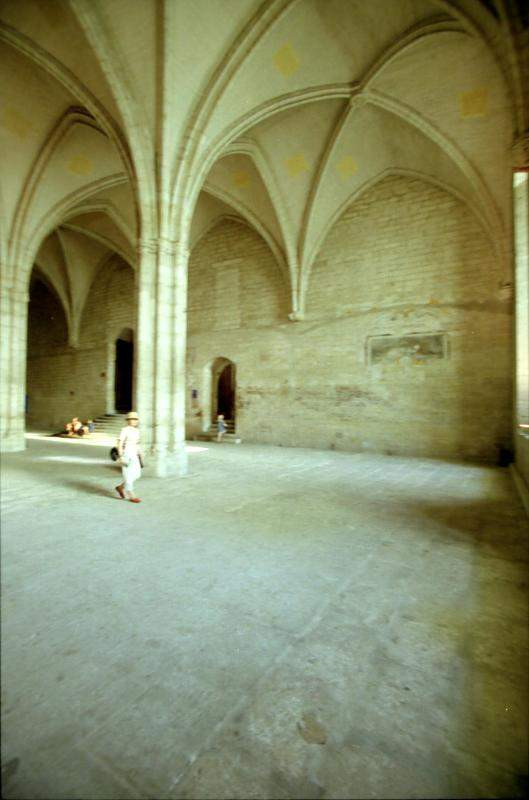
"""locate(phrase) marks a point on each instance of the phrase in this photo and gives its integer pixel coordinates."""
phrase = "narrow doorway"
(223, 390)
(226, 392)
(123, 373)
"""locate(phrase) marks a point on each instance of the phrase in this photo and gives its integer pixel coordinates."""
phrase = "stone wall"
(406, 347)
(64, 381)
(406, 258)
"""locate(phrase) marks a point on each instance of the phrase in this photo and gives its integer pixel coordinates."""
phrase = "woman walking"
(130, 456)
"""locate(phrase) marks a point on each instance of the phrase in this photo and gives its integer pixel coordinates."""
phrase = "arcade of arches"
(286, 224)
(309, 215)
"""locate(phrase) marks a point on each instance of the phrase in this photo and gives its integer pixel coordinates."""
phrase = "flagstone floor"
(279, 624)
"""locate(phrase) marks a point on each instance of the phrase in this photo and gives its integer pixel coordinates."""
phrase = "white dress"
(130, 438)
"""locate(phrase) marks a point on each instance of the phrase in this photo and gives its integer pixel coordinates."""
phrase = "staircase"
(229, 423)
(211, 434)
(109, 425)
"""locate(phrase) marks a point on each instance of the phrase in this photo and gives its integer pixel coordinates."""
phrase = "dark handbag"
(114, 455)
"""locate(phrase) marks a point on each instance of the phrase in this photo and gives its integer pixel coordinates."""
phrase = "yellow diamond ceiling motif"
(286, 60)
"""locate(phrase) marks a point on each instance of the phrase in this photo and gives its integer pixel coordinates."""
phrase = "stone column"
(521, 300)
(13, 346)
(521, 249)
(161, 353)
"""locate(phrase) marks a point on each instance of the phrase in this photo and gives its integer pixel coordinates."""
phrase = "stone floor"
(280, 624)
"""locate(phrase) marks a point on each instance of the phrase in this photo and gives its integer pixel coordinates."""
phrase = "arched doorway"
(223, 389)
(124, 370)
(49, 396)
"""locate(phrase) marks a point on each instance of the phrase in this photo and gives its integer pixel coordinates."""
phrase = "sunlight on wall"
(521, 249)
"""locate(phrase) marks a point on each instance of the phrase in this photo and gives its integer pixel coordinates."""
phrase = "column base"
(12, 443)
(168, 463)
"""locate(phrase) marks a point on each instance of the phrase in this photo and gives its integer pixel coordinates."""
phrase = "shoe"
(135, 500)
(120, 491)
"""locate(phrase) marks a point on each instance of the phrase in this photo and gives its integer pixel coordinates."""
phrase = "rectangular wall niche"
(410, 348)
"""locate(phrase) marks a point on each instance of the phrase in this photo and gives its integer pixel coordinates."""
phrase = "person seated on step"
(77, 427)
(88, 427)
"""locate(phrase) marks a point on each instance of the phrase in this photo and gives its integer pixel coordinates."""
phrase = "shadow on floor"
(91, 488)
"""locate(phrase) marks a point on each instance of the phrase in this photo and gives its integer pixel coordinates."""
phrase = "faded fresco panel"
(413, 347)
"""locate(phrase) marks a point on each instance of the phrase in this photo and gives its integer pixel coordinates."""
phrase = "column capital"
(162, 245)
(148, 246)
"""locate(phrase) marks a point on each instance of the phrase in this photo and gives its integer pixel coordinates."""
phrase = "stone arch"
(104, 288)
(372, 186)
(224, 385)
(59, 331)
(108, 311)
(47, 329)
(233, 271)
(219, 390)
(38, 274)
(344, 90)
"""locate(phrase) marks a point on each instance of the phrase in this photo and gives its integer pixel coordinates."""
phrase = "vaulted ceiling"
(121, 118)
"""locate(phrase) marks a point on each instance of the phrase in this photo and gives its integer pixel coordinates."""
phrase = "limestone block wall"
(237, 300)
(63, 381)
(405, 260)
(406, 346)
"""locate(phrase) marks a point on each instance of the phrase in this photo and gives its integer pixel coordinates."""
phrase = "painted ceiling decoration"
(124, 121)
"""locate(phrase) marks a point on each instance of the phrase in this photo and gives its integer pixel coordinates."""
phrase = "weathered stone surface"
(281, 624)
(313, 383)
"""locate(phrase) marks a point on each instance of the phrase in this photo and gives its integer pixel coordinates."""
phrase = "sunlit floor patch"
(91, 439)
(97, 439)
(73, 459)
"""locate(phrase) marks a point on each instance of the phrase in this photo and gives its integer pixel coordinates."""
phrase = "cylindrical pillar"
(13, 355)
(161, 342)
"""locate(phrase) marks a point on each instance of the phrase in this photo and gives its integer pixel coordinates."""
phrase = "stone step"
(108, 427)
(109, 424)
(228, 422)
(210, 436)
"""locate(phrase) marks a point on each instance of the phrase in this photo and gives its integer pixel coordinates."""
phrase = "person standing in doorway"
(130, 456)
(221, 427)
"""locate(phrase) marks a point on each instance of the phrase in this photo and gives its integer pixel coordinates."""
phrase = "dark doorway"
(47, 334)
(226, 392)
(123, 381)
